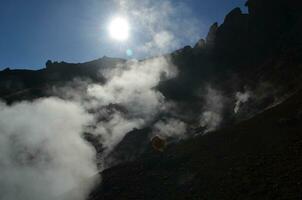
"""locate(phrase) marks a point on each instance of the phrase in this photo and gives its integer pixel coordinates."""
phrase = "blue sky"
(33, 31)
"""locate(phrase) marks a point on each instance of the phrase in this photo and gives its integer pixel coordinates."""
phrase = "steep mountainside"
(254, 159)
(29, 84)
(252, 63)
(257, 159)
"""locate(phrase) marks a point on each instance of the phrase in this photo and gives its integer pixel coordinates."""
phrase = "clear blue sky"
(33, 31)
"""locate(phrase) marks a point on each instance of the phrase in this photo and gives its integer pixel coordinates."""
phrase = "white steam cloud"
(42, 153)
(241, 98)
(115, 128)
(171, 128)
(131, 86)
(212, 115)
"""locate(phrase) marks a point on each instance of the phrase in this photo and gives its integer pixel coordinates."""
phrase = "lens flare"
(129, 52)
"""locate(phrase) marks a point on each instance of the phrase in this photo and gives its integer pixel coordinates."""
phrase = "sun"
(119, 29)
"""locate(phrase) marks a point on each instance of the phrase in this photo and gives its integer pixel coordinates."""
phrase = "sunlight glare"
(119, 29)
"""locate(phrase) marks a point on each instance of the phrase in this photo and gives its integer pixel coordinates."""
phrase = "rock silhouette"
(258, 158)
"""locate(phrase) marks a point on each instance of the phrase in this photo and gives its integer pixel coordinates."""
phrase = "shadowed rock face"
(231, 40)
(262, 153)
(29, 84)
(255, 159)
(211, 37)
(274, 23)
(243, 44)
(130, 148)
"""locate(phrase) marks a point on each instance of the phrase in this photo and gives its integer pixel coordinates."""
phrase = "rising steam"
(42, 141)
(212, 115)
(43, 155)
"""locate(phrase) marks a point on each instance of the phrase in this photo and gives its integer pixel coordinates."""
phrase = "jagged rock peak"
(234, 14)
(210, 39)
(6, 69)
(201, 44)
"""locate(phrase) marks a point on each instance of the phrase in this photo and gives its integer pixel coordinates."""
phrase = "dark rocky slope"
(18, 85)
(255, 159)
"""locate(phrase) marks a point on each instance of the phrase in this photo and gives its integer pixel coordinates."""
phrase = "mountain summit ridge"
(238, 91)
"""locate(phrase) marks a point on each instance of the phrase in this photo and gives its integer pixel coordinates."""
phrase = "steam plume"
(43, 155)
(212, 115)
